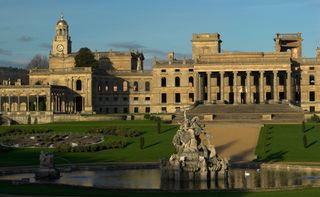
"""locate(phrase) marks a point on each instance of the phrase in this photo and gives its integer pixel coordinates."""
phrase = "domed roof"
(62, 21)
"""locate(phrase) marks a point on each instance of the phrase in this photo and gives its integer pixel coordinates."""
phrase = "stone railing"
(51, 70)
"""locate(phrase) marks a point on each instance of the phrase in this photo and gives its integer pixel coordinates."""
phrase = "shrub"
(141, 142)
(147, 117)
(305, 141)
(315, 118)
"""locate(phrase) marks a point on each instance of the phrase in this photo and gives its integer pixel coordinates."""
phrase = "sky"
(153, 26)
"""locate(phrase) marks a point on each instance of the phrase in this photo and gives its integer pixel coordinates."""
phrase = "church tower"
(62, 41)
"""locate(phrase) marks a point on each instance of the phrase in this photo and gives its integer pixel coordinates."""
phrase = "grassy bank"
(285, 143)
(55, 190)
(157, 145)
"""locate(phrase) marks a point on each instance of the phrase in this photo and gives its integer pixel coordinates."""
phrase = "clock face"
(60, 47)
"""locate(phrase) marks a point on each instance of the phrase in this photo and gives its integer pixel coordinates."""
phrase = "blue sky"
(155, 27)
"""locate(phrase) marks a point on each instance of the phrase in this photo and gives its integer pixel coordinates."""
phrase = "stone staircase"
(262, 113)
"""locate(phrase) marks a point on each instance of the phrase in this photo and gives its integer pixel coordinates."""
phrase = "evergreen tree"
(85, 58)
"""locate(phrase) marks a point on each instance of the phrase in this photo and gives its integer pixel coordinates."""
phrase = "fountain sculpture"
(195, 157)
(47, 168)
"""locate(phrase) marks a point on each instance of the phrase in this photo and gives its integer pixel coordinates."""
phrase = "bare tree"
(38, 61)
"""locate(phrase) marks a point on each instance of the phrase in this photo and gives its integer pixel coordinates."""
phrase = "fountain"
(195, 157)
(47, 168)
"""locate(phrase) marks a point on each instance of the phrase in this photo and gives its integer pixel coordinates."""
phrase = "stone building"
(121, 85)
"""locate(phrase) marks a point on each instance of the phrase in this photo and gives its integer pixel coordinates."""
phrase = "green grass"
(157, 146)
(55, 190)
(285, 143)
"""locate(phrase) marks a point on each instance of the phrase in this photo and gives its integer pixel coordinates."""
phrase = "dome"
(62, 21)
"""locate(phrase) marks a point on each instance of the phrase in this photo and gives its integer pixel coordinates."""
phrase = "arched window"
(60, 32)
(107, 87)
(125, 86)
(191, 81)
(147, 86)
(99, 86)
(115, 87)
(78, 85)
(311, 80)
(163, 82)
(177, 82)
(135, 86)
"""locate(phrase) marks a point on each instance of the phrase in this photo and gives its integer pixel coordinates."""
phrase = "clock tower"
(62, 41)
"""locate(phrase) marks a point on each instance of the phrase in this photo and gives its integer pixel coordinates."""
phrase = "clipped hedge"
(119, 144)
(116, 132)
(18, 131)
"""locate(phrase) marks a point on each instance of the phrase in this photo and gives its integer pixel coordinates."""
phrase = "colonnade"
(56, 103)
(253, 86)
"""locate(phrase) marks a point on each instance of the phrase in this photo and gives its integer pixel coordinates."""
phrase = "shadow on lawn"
(274, 157)
(312, 143)
(150, 145)
(168, 129)
(309, 129)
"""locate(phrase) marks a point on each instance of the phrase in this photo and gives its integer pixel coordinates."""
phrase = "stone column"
(63, 104)
(235, 87)
(196, 87)
(261, 89)
(275, 86)
(222, 86)
(51, 103)
(248, 84)
(27, 105)
(18, 107)
(209, 100)
(289, 85)
(9, 103)
(0, 104)
(37, 102)
(201, 88)
(48, 103)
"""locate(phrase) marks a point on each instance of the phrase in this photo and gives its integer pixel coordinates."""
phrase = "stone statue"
(194, 150)
(47, 169)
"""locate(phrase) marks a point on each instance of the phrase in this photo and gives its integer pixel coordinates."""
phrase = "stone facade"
(121, 85)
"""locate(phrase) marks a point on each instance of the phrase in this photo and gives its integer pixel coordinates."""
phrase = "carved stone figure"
(47, 169)
(194, 150)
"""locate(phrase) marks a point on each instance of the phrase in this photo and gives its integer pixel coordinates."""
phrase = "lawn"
(55, 190)
(285, 143)
(157, 146)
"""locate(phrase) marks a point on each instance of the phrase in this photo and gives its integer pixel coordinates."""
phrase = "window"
(177, 98)
(60, 32)
(312, 96)
(136, 110)
(135, 98)
(163, 70)
(176, 70)
(125, 110)
(99, 87)
(107, 98)
(163, 82)
(78, 85)
(191, 97)
(255, 80)
(312, 109)
(125, 98)
(177, 82)
(311, 68)
(147, 110)
(268, 80)
(147, 86)
(243, 80)
(190, 70)
(125, 86)
(115, 110)
(135, 86)
(115, 98)
(311, 80)
(107, 110)
(115, 87)
(163, 109)
(107, 87)
(191, 81)
(163, 98)
(147, 98)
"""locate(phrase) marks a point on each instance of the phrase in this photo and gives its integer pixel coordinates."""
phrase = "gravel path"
(235, 141)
